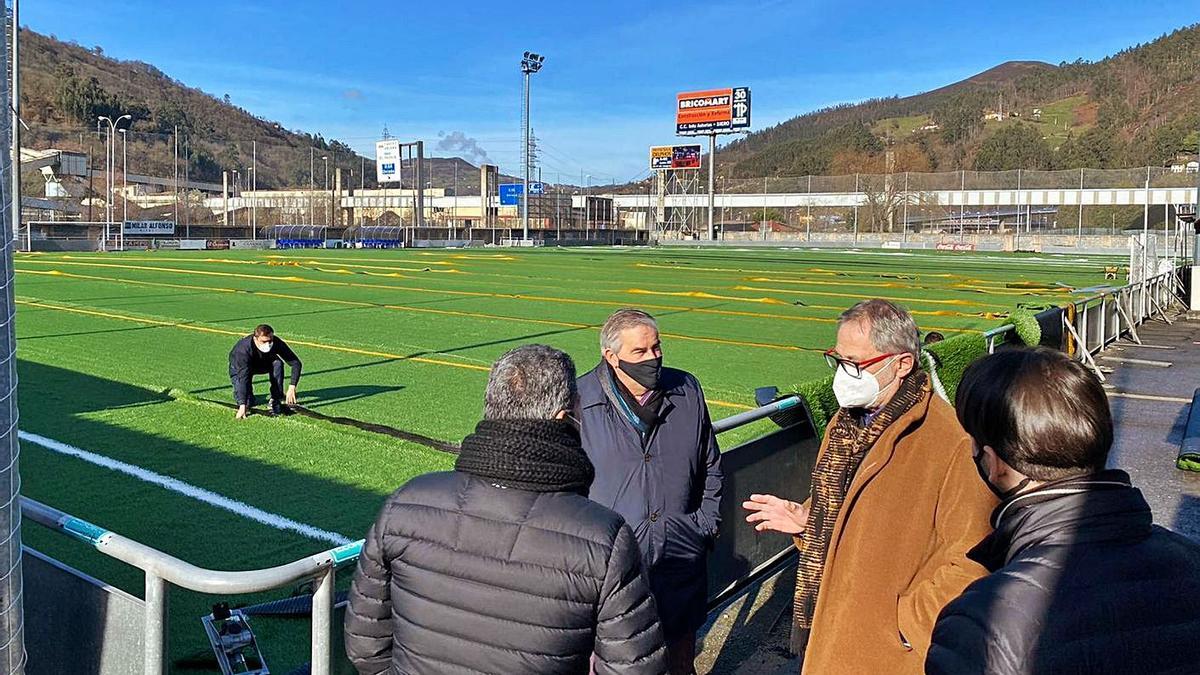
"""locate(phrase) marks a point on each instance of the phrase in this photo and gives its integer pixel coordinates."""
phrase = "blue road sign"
(537, 188)
(510, 194)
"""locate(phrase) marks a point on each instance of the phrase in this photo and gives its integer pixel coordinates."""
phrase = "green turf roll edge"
(1188, 462)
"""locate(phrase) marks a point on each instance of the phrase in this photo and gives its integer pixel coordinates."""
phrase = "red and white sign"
(955, 246)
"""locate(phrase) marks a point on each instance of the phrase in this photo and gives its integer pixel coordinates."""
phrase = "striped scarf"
(849, 442)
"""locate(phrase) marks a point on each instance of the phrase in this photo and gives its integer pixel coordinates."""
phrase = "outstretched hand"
(242, 412)
(289, 397)
(769, 513)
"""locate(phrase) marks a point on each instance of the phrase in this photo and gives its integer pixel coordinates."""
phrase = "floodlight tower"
(530, 64)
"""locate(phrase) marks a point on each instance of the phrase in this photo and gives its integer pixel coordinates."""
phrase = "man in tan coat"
(895, 505)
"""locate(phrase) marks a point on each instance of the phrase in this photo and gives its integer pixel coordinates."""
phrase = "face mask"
(645, 373)
(1004, 495)
(858, 392)
(264, 348)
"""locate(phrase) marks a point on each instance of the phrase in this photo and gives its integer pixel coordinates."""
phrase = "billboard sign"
(160, 228)
(387, 161)
(675, 157)
(715, 111)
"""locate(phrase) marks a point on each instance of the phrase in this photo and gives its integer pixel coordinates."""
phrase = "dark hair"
(1044, 414)
(264, 330)
(933, 337)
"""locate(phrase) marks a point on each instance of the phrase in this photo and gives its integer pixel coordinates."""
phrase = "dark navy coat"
(667, 486)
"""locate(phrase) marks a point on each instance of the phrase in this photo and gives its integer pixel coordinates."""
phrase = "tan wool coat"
(915, 508)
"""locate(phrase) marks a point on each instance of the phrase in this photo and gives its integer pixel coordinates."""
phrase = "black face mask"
(1004, 495)
(645, 373)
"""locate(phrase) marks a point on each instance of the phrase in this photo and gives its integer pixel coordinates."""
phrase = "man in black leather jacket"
(1082, 581)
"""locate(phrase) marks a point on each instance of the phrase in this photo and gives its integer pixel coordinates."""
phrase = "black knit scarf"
(534, 455)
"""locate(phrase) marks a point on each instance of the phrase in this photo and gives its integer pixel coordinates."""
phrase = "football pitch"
(126, 406)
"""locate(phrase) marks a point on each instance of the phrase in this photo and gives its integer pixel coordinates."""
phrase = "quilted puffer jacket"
(461, 576)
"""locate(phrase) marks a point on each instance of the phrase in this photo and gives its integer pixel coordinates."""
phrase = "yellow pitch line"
(502, 296)
(403, 308)
(304, 343)
(289, 262)
(473, 294)
(860, 296)
(221, 331)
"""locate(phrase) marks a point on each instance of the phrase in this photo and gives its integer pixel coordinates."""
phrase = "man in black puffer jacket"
(1082, 581)
(503, 565)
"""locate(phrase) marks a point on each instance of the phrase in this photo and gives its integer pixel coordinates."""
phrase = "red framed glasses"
(852, 368)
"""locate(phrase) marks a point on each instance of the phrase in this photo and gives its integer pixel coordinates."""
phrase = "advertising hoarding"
(675, 157)
(387, 161)
(713, 111)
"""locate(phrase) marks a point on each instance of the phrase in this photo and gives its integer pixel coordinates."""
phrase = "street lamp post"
(124, 192)
(328, 206)
(587, 204)
(110, 159)
(237, 192)
(530, 64)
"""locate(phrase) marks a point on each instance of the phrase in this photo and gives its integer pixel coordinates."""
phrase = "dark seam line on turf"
(369, 427)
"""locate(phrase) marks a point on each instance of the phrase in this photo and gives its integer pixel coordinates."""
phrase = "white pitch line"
(200, 494)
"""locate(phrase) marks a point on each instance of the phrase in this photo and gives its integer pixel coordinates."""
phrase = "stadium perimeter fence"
(779, 462)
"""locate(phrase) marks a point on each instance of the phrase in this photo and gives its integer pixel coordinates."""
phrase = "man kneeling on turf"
(262, 353)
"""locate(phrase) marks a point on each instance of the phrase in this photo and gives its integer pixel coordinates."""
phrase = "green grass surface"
(125, 355)
(899, 128)
(1057, 122)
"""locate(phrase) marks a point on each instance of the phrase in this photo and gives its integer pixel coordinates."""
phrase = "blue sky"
(427, 70)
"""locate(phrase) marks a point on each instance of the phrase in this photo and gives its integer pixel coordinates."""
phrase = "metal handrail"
(1125, 306)
(162, 569)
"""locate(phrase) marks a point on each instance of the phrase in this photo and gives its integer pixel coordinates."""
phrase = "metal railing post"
(1081, 318)
(156, 624)
(1103, 320)
(322, 623)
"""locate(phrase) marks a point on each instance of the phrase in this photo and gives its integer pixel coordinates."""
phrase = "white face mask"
(264, 348)
(858, 392)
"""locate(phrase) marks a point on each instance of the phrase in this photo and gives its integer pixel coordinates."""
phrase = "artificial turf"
(125, 355)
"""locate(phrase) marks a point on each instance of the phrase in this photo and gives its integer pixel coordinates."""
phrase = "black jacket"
(1082, 583)
(665, 483)
(246, 360)
(464, 577)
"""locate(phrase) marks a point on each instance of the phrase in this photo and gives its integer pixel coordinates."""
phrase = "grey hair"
(621, 320)
(533, 382)
(892, 329)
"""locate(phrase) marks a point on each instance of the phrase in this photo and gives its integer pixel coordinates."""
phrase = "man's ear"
(562, 415)
(610, 357)
(906, 366)
(999, 472)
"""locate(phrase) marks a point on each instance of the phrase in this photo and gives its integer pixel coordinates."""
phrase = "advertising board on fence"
(674, 157)
(955, 246)
(193, 244)
(160, 228)
(387, 161)
(216, 245)
(257, 244)
(715, 111)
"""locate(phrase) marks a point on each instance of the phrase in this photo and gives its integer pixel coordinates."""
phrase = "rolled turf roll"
(1189, 447)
